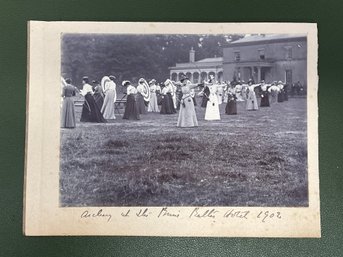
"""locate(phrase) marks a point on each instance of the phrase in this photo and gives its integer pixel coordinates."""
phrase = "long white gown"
(251, 103)
(212, 107)
(153, 107)
(220, 93)
(187, 116)
(107, 108)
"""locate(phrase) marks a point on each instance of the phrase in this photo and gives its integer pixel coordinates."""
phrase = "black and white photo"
(172, 129)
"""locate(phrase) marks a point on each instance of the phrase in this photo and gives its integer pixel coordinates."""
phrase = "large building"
(268, 57)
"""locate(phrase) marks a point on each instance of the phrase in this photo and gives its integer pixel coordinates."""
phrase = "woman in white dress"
(212, 107)
(251, 104)
(107, 108)
(173, 94)
(220, 93)
(274, 91)
(153, 107)
(239, 90)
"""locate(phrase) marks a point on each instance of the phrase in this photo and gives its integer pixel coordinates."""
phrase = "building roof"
(215, 59)
(267, 37)
(203, 63)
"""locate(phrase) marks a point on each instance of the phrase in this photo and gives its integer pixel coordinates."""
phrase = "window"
(237, 56)
(289, 52)
(261, 54)
(289, 78)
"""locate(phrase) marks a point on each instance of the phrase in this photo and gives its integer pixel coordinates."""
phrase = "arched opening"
(189, 75)
(211, 73)
(173, 76)
(203, 76)
(196, 77)
(220, 76)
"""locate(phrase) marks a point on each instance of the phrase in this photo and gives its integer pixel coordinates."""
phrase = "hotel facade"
(270, 57)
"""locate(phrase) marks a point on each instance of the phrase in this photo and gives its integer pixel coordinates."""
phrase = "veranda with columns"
(198, 71)
(197, 76)
(254, 70)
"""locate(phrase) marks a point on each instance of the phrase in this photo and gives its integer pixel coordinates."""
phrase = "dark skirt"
(68, 113)
(140, 104)
(99, 100)
(285, 96)
(194, 101)
(131, 109)
(179, 98)
(90, 111)
(167, 106)
(204, 101)
(280, 97)
(265, 100)
(205, 97)
(159, 99)
(231, 107)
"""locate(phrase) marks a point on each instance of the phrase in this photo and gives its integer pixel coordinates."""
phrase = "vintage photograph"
(183, 120)
(172, 129)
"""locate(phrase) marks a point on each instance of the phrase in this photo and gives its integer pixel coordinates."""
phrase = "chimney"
(192, 55)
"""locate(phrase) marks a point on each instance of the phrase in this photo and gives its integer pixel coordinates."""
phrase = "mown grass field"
(255, 158)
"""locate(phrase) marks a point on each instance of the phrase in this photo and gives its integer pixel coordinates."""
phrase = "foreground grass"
(256, 158)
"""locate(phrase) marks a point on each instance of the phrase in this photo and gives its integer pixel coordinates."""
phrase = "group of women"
(98, 103)
(166, 98)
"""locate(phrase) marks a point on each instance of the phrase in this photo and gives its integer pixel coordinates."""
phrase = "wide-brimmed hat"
(152, 81)
(85, 78)
(126, 83)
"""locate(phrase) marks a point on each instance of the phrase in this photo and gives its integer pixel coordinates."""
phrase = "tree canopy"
(134, 56)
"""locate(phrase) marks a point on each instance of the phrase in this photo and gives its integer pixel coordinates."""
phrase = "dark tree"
(133, 56)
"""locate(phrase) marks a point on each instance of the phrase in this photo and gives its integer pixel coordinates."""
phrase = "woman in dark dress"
(205, 92)
(68, 109)
(90, 111)
(285, 92)
(140, 98)
(178, 97)
(264, 95)
(280, 96)
(131, 108)
(98, 94)
(167, 106)
(231, 106)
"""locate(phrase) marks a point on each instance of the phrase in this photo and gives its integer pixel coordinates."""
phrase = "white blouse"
(131, 90)
(153, 88)
(110, 86)
(86, 89)
(264, 87)
(140, 88)
(165, 90)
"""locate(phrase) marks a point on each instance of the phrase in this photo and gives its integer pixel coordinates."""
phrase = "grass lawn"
(255, 158)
